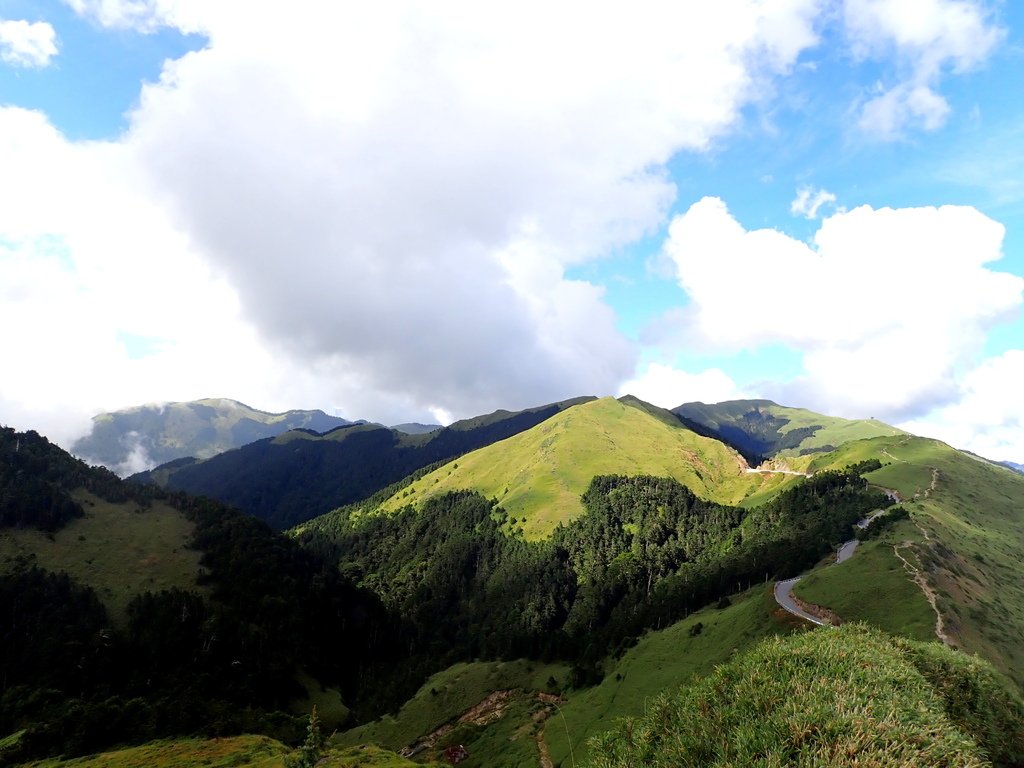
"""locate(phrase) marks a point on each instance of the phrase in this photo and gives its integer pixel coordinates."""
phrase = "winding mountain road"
(784, 589)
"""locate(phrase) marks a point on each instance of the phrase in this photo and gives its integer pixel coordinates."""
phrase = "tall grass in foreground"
(852, 696)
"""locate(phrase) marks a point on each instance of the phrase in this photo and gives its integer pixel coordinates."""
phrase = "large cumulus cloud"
(364, 207)
(398, 192)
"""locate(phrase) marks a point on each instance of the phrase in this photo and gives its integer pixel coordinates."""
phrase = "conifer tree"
(313, 747)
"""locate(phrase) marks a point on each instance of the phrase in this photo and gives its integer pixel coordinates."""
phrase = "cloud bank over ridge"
(388, 213)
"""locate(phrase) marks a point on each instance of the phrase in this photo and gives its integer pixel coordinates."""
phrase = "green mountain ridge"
(762, 429)
(415, 428)
(965, 540)
(972, 585)
(539, 475)
(298, 475)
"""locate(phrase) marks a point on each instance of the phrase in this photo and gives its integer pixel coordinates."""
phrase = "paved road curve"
(784, 597)
(846, 551)
(784, 589)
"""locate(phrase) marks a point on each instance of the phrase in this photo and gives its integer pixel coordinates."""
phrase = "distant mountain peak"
(763, 429)
(143, 436)
(415, 428)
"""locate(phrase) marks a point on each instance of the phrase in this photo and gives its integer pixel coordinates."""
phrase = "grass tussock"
(852, 696)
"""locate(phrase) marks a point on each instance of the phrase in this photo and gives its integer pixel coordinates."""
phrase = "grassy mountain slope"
(845, 697)
(538, 476)
(299, 475)
(966, 541)
(134, 439)
(763, 429)
(448, 695)
(873, 586)
(62, 515)
(662, 661)
(118, 549)
(975, 709)
(232, 752)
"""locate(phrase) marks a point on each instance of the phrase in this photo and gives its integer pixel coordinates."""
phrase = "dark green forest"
(36, 479)
(184, 663)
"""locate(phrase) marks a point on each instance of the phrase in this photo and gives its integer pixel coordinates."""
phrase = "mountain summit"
(140, 438)
(539, 475)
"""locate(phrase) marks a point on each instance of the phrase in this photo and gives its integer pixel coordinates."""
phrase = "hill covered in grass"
(298, 475)
(136, 439)
(964, 543)
(761, 429)
(231, 752)
(118, 549)
(844, 697)
(539, 475)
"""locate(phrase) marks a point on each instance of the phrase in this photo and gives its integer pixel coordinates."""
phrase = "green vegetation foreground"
(851, 696)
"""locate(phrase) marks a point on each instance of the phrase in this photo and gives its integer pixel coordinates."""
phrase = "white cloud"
(374, 213)
(988, 416)
(85, 259)
(878, 292)
(143, 16)
(668, 387)
(809, 200)
(137, 458)
(412, 185)
(25, 44)
(904, 105)
(926, 38)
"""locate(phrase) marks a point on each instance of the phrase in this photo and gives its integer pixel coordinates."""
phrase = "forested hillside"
(219, 657)
(36, 479)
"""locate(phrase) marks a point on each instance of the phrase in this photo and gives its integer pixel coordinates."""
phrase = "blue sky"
(94, 81)
(400, 215)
